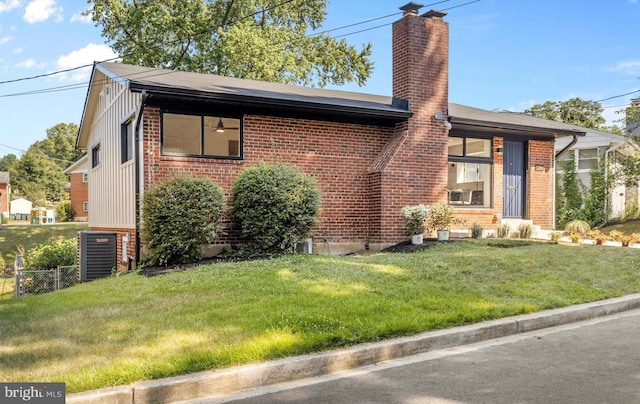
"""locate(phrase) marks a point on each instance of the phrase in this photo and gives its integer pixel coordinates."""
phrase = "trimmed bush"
(49, 256)
(181, 215)
(577, 226)
(64, 211)
(274, 205)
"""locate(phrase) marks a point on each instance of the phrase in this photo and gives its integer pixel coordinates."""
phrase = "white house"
(587, 150)
(20, 208)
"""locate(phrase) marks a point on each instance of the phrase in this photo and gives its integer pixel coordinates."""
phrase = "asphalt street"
(596, 361)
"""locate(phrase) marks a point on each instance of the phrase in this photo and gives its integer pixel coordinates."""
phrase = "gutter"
(143, 103)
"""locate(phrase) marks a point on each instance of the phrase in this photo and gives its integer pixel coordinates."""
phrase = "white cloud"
(30, 64)
(80, 18)
(9, 5)
(4, 39)
(630, 67)
(17, 51)
(85, 56)
(41, 10)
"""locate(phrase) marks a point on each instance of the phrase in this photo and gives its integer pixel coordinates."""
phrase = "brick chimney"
(421, 61)
(421, 76)
(412, 168)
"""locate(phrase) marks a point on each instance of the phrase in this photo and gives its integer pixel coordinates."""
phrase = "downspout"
(143, 103)
(567, 147)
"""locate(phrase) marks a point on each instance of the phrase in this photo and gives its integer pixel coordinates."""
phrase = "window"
(200, 135)
(126, 141)
(587, 158)
(95, 156)
(469, 171)
(85, 177)
(85, 206)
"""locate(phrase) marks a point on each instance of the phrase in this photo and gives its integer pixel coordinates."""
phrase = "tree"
(60, 144)
(7, 161)
(37, 175)
(254, 39)
(575, 111)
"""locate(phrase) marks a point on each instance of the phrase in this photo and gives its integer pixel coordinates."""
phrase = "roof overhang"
(463, 118)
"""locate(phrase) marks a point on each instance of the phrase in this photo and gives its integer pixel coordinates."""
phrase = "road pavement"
(594, 361)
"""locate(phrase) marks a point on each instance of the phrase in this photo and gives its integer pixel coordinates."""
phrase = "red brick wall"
(337, 155)
(4, 198)
(541, 183)
(78, 193)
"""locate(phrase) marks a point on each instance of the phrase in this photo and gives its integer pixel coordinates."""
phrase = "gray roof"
(230, 89)
(510, 120)
(164, 83)
(4, 177)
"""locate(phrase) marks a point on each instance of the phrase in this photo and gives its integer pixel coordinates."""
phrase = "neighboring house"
(371, 155)
(5, 193)
(78, 173)
(635, 126)
(586, 152)
(20, 209)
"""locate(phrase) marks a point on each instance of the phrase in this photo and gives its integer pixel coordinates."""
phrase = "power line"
(618, 96)
(134, 53)
(209, 30)
(144, 74)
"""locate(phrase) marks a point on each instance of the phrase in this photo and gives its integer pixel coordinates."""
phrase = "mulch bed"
(154, 270)
(407, 247)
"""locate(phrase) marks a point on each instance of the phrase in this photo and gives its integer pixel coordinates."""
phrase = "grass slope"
(119, 330)
(28, 236)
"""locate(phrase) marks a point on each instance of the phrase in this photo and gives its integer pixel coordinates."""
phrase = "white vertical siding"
(112, 183)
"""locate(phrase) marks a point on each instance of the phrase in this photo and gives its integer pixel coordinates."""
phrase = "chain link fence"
(33, 282)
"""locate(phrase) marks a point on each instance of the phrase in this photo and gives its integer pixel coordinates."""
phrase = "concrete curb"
(209, 383)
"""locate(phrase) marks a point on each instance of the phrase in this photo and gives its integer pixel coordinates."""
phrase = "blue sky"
(504, 55)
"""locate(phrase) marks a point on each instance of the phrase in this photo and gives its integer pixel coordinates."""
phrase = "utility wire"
(132, 54)
(144, 74)
(618, 96)
(208, 30)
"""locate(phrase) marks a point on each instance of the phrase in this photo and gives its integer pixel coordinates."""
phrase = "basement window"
(201, 136)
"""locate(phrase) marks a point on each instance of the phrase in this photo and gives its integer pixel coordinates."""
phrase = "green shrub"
(64, 211)
(181, 215)
(48, 256)
(577, 226)
(274, 205)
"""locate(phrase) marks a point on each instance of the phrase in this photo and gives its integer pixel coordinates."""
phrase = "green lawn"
(122, 329)
(18, 235)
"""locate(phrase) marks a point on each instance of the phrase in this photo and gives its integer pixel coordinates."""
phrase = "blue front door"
(513, 180)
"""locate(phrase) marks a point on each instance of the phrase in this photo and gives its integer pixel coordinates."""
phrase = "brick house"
(78, 173)
(5, 193)
(371, 155)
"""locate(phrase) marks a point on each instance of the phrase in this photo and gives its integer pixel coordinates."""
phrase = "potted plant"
(626, 239)
(415, 216)
(575, 237)
(441, 218)
(614, 235)
(598, 236)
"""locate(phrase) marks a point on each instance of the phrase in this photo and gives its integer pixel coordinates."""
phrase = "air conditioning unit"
(97, 254)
